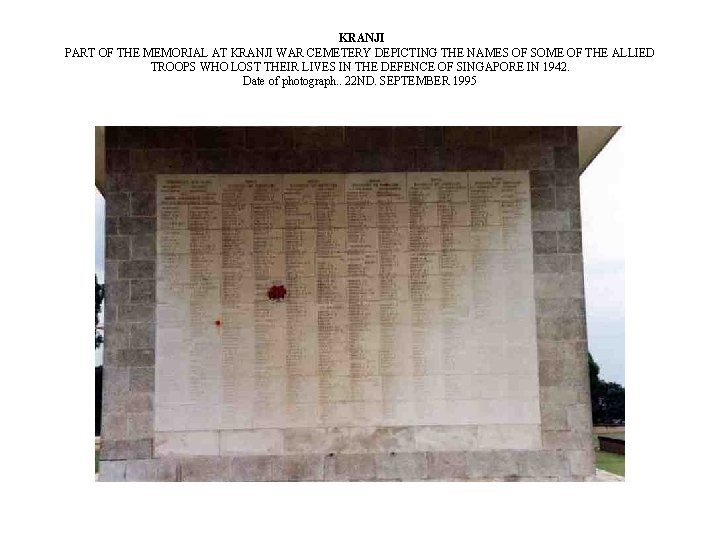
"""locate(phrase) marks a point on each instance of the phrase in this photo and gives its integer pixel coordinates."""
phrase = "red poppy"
(277, 292)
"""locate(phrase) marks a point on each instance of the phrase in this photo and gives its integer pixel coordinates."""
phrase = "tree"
(608, 398)
(99, 297)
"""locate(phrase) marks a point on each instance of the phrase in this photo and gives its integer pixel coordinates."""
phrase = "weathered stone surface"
(140, 425)
(206, 469)
(582, 462)
(447, 465)
(117, 248)
(251, 441)
(142, 470)
(439, 438)
(380, 439)
(543, 463)
(256, 468)
(142, 379)
(302, 468)
(134, 358)
(132, 313)
(112, 471)
(508, 436)
(401, 466)
(314, 440)
(142, 247)
(345, 467)
(179, 443)
(136, 270)
(569, 242)
(143, 203)
(545, 242)
(142, 291)
(493, 464)
(126, 449)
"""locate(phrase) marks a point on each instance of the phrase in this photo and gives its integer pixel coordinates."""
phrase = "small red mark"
(218, 323)
(277, 292)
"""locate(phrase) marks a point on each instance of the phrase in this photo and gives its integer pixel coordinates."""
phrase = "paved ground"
(604, 476)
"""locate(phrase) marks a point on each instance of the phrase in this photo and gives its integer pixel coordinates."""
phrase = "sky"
(603, 222)
(603, 251)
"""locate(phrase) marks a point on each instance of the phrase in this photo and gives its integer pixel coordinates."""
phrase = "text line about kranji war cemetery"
(365, 61)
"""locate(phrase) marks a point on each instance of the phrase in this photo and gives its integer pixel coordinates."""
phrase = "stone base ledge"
(501, 465)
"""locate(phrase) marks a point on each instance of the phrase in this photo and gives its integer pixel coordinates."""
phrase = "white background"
(668, 107)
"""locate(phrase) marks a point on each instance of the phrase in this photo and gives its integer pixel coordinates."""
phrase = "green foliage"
(608, 398)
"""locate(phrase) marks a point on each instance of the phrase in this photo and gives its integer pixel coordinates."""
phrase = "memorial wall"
(407, 301)
(310, 303)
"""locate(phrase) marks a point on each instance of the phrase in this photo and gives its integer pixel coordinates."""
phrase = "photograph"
(358, 303)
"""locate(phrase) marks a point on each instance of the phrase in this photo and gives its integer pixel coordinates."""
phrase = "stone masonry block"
(140, 402)
(567, 198)
(255, 468)
(117, 204)
(543, 463)
(142, 203)
(162, 161)
(135, 358)
(142, 470)
(126, 449)
(529, 157)
(545, 242)
(447, 465)
(268, 137)
(219, 137)
(117, 292)
(142, 247)
(178, 443)
(559, 440)
(140, 425)
(446, 438)
(318, 137)
(304, 468)
(112, 471)
(142, 291)
(466, 136)
(380, 439)
(345, 467)
(553, 416)
(553, 135)
(569, 242)
(542, 199)
(516, 135)
(368, 138)
(542, 179)
(114, 426)
(492, 464)
(117, 248)
(136, 313)
(552, 263)
(417, 137)
(251, 441)
(142, 379)
(509, 436)
(137, 270)
(206, 469)
(406, 466)
(136, 225)
(566, 157)
(314, 440)
(142, 336)
(582, 462)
